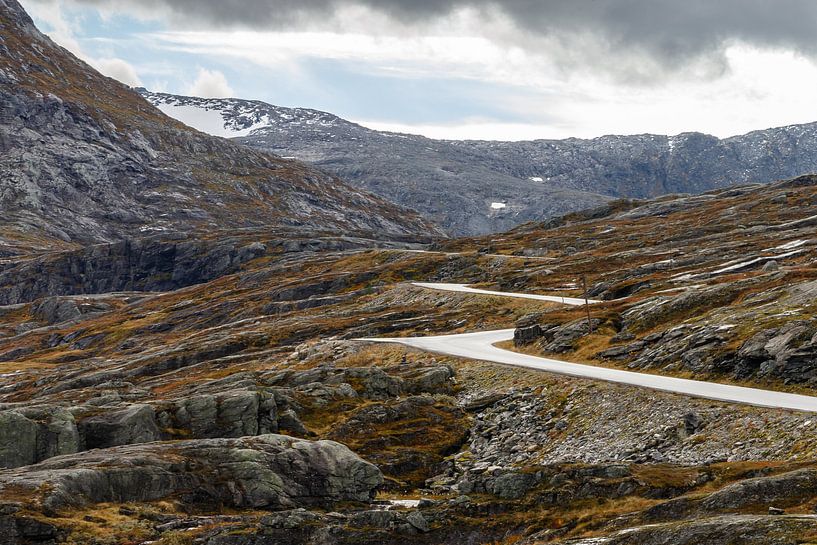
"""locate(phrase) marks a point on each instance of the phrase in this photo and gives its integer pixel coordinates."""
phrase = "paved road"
(463, 288)
(480, 346)
(526, 257)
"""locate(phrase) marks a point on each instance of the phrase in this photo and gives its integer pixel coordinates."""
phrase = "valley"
(207, 344)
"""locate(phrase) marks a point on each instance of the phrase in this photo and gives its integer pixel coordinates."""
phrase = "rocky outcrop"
(227, 414)
(784, 490)
(268, 471)
(555, 338)
(133, 424)
(299, 526)
(32, 434)
(370, 382)
(743, 529)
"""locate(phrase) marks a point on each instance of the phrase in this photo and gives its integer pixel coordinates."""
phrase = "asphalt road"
(463, 288)
(480, 346)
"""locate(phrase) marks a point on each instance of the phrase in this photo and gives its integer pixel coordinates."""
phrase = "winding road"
(480, 346)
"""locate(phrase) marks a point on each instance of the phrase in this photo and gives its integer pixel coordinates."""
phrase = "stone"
(418, 521)
(133, 424)
(18, 440)
(288, 421)
(268, 471)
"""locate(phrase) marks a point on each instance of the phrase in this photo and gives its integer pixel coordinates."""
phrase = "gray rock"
(268, 471)
(57, 431)
(227, 414)
(781, 490)
(133, 424)
(418, 521)
(53, 310)
(18, 440)
(288, 421)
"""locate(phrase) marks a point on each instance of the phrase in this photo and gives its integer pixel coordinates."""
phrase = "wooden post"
(587, 304)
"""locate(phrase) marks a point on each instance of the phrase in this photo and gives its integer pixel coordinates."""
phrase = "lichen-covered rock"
(370, 382)
(18, 440)
(133, 424)
(268, 471)
(31, 434)
(737, 529)
(57, 431)
(782, 490)
(228, 414)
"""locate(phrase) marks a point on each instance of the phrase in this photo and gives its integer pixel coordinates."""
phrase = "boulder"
(437, 379)
(57, 431)
(18, 440)
(228, 414)
(267, 471)
(53, 310)
(782, 490)
(132, 424)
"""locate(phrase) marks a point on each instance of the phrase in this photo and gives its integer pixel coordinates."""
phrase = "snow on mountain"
(449, 181)
(235, 118)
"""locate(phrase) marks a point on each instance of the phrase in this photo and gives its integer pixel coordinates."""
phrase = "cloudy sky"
(509, 70)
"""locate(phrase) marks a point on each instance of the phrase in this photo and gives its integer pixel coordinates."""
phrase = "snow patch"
(206, 120)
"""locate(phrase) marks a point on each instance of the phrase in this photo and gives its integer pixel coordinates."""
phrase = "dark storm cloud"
(667, 31)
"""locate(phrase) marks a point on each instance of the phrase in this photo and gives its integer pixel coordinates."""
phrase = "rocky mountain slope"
(456, 183)
(205, 387)
(86, 159)
(453, 187)
(239, 409)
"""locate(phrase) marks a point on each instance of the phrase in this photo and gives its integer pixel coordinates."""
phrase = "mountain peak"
(87, 159)
(233, 118)
(14, 13)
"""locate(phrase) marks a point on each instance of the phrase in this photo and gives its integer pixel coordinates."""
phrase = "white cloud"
(210, 84)
(543, 91)
(761, 88)
(118, 69)
(63, 30)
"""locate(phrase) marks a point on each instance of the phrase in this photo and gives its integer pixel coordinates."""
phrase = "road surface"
(463, 288)
(480, 346)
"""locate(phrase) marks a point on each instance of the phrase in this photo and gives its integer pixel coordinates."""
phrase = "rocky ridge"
(85, 159)
(476, 187)
(146, 399)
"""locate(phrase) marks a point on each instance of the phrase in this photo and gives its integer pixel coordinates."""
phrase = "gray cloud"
(668, 35)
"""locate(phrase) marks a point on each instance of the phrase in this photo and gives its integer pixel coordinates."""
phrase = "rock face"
(462, 190)
(32, 434)
(84, 159)
(455, 183)
(746, 530)
(157, 263)
(269, 471)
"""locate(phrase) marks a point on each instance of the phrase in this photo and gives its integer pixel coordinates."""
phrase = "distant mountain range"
(478, 187)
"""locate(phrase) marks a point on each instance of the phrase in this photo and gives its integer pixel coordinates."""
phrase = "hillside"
(197, 393)
(85, 159)
(455, 182)
(209, 378)
(457, 189)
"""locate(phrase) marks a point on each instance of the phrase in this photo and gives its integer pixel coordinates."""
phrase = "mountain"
(216, 383)
(455, 183)
(85, 159)
(456, 189)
